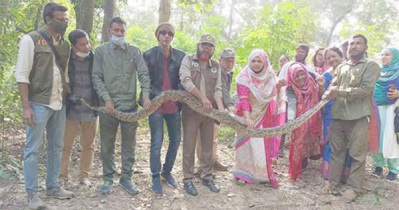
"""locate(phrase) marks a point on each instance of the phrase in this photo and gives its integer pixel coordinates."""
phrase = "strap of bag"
(50, 42)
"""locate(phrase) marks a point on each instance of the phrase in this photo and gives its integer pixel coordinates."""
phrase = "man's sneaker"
(377, 172)
(85, 182)
(106, 187)
(391, 177)
(59, 192)
(128, 187)
(217, 166)
(211, 185)
(169, 179)
(156, 186)
(190, 188)
(34, 202)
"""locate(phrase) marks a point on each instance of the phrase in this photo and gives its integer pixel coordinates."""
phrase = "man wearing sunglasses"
(163, 63)
(201, 76)
(40, 74)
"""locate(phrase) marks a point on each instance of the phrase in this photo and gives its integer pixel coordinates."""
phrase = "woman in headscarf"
(303, 94)
(334, 58)
(262, 106)
(386, 94)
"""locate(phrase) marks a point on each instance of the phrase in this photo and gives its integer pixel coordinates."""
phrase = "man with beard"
(352, 89)
(200, 75)
(227, 62)
(40, 74)
(163, 63)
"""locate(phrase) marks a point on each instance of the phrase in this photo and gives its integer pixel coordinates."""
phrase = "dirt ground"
(302, 194)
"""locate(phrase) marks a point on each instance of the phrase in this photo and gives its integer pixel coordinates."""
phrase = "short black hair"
(52, 7)
(335, 49)
(303, 46)
(360, 36)
(117, 20)
(75, 35)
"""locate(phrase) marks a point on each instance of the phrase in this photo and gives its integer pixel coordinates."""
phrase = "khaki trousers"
(193, 123)
(215, 144)
(351, 135)
(88, 131)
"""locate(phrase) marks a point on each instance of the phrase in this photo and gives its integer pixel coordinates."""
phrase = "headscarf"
(307, 97)
(389, 76)
(263, 84)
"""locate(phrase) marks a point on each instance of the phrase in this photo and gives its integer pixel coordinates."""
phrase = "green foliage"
(199, 6)
(374, 19)
(278, 31)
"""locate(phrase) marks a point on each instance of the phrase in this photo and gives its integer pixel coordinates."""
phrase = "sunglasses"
(163, 33)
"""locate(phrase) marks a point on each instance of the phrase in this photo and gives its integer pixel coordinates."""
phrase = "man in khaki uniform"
(227, 62)
(352, 89)
(201, 76)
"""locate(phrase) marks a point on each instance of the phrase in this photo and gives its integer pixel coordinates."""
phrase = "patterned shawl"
(304, 141)
(263, 84)
(389, 76)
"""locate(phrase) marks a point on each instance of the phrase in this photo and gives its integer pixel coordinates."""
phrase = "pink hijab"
(263, 84)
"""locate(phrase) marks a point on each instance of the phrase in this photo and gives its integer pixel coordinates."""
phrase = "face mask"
(81, 54)
(118, 40)
(59, 27)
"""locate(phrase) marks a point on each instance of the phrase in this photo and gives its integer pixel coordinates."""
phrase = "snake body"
(236, 122)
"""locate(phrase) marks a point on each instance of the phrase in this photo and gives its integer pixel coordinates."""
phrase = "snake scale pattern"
(231, 120)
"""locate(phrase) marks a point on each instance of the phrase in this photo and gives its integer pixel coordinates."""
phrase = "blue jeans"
(53, 121)
(173, 124)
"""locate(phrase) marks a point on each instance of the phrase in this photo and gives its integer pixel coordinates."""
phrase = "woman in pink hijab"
(262, 106)
(303, 93)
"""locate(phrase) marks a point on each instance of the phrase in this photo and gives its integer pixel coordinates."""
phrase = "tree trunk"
(335, 23)
(84, 15)
(109, 13)
(164, 10)
(230, 30)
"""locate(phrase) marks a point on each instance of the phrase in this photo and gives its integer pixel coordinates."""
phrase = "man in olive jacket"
(163, 63)
(40, 74)
(115, 68)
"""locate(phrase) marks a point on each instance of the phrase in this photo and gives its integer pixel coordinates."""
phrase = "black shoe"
(377, 172)
(128, 187)
(391, 177)
(169, 179)
(156, 186)
(106, 187)
(211, 185)
(190, 188)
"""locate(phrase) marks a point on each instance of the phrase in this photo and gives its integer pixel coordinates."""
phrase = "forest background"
(276, 26)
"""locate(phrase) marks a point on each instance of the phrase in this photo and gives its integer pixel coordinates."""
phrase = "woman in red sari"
(303, 93)
(260, 104)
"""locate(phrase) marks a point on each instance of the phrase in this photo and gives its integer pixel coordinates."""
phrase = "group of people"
(52, 77)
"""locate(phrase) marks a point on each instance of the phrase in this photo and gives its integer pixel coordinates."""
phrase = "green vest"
(41, 75)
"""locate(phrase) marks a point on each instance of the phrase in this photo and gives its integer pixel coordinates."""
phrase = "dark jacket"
(154, 60)
(71, 74)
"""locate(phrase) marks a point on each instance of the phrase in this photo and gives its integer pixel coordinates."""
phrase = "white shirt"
(24, 67)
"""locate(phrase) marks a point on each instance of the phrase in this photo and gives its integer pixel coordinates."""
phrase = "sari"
(305, 140)
(258, 94)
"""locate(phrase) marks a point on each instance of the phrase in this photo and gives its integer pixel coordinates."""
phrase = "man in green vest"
(40, 74)
(116, 67)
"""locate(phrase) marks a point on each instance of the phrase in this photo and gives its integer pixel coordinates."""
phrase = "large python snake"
(231, 120)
